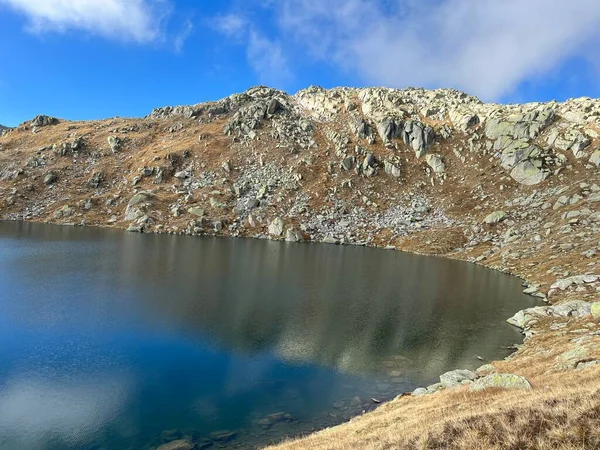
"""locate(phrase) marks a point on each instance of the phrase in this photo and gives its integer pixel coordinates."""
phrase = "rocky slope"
(512, 187)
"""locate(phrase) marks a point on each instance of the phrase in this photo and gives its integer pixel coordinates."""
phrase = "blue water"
(109, 338)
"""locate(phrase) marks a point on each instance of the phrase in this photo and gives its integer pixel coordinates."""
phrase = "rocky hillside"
(512, 187)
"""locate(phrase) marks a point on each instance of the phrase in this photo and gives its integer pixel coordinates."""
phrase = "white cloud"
(265, 56)
(185, 32)
(485, 47)
(231, 25)
(268, 60)
(127, 20)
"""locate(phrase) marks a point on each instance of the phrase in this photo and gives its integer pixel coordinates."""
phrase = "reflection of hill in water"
(347, 307)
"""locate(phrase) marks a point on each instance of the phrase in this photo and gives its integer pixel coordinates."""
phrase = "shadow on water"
(115, 337)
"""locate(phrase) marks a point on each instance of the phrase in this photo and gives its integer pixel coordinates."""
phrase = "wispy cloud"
(125, 20)
(268, 60)
(186, 31)
(231, 25)
(265, 55)
(486, 47)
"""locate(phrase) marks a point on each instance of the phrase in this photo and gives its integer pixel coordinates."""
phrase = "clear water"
(109, 338)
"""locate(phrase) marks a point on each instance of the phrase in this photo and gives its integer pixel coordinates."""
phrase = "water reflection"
(212, 333)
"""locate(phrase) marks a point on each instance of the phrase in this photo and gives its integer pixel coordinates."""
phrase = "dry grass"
(561, 412)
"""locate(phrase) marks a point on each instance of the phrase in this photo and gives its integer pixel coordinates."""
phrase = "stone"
(182, 175)
(436, 163)
(293, 235)
(114, 143)
(180, 444)
(278, 417)
(137, 204)
(485, 369)
(392, 169)
(50, 178)
(456, 377)
(347, 163)
(495, 217)
(595, 158)
(215, 203)
(196, 211)
(595, 310)
(43, 121)
(419, 391)
(573, 308)
(276, 227)
(565, 283)
(222, 436)
(500, 380)
(95, 180)
(264, 422)
(63, 212)
(527, 173)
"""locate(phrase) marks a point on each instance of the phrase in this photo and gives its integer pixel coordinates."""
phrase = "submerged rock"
(222, 436)
(180, 444)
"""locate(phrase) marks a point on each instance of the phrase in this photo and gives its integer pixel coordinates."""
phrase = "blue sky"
(88, 59)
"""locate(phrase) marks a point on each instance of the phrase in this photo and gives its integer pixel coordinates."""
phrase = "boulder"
(495, 217)
(565, 283)
(500, 380)
(50, 178)
(293, 235)
(276, 227)
(527, 173)
(347, 163)
(595, 310)
(418, 136)
(137, 205)
(63, 212)
(43, 121)
(595, 158)
(573, 308)
(115, 143)
(456, 377)
(463, 118)
(392, 169)
(436, 163)
(196, 211)
(520, 125)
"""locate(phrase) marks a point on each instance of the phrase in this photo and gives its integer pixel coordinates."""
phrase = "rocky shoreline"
(514, 188)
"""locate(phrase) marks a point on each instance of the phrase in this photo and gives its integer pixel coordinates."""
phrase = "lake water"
(113, 340)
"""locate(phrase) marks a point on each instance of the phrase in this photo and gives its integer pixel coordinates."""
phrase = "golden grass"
(562, 411)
